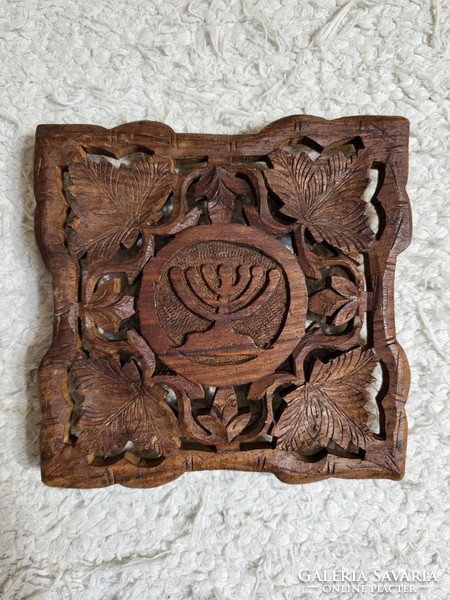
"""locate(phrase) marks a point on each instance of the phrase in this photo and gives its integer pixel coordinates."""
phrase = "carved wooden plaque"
(223, 302)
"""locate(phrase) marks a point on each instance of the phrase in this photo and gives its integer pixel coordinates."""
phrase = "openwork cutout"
(223, 302)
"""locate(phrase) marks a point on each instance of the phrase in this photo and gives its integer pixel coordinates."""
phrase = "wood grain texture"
(223, 302)
(214, 304)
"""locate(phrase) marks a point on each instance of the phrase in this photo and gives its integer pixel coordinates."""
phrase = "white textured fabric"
(222, 66)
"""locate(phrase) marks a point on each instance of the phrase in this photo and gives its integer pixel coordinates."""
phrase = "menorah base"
(220, 345)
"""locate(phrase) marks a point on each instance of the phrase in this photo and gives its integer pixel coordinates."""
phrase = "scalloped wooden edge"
(57, 144)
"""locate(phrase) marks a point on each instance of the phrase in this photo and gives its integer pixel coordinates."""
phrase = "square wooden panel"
(223, 302)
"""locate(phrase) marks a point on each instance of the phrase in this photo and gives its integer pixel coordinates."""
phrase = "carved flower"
(340, 302)
(221, 190)
(108, 307)
(224, 423)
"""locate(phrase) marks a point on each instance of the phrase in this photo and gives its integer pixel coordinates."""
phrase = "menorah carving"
(221, 303)
(224, 293)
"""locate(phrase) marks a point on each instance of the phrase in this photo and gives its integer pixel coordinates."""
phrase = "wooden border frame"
(386, 138)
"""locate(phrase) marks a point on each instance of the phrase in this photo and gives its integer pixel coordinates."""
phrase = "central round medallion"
(223, 304)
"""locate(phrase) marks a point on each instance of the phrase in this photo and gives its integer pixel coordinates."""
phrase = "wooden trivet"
(223, 301)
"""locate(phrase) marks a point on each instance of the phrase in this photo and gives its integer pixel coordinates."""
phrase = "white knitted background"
(224, 66)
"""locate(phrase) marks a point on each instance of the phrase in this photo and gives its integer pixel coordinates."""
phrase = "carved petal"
(221, 190)
(108, 307)
(237, 425)
(113, 204)
(325, 302)
(344, 287)
(118, 409)
(347, 312)
(330, 407)
(325, 195)
(211, 423)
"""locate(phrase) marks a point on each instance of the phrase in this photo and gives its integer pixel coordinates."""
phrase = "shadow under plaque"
(223, 301)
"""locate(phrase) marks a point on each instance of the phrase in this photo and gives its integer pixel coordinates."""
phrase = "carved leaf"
(118, 409)
(108, 307)
(221, 189)
(114, 204)
(341, 300)
(384, 458)
(325, 195)
(330, 406)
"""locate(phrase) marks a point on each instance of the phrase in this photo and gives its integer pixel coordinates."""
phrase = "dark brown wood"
(223, 302)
